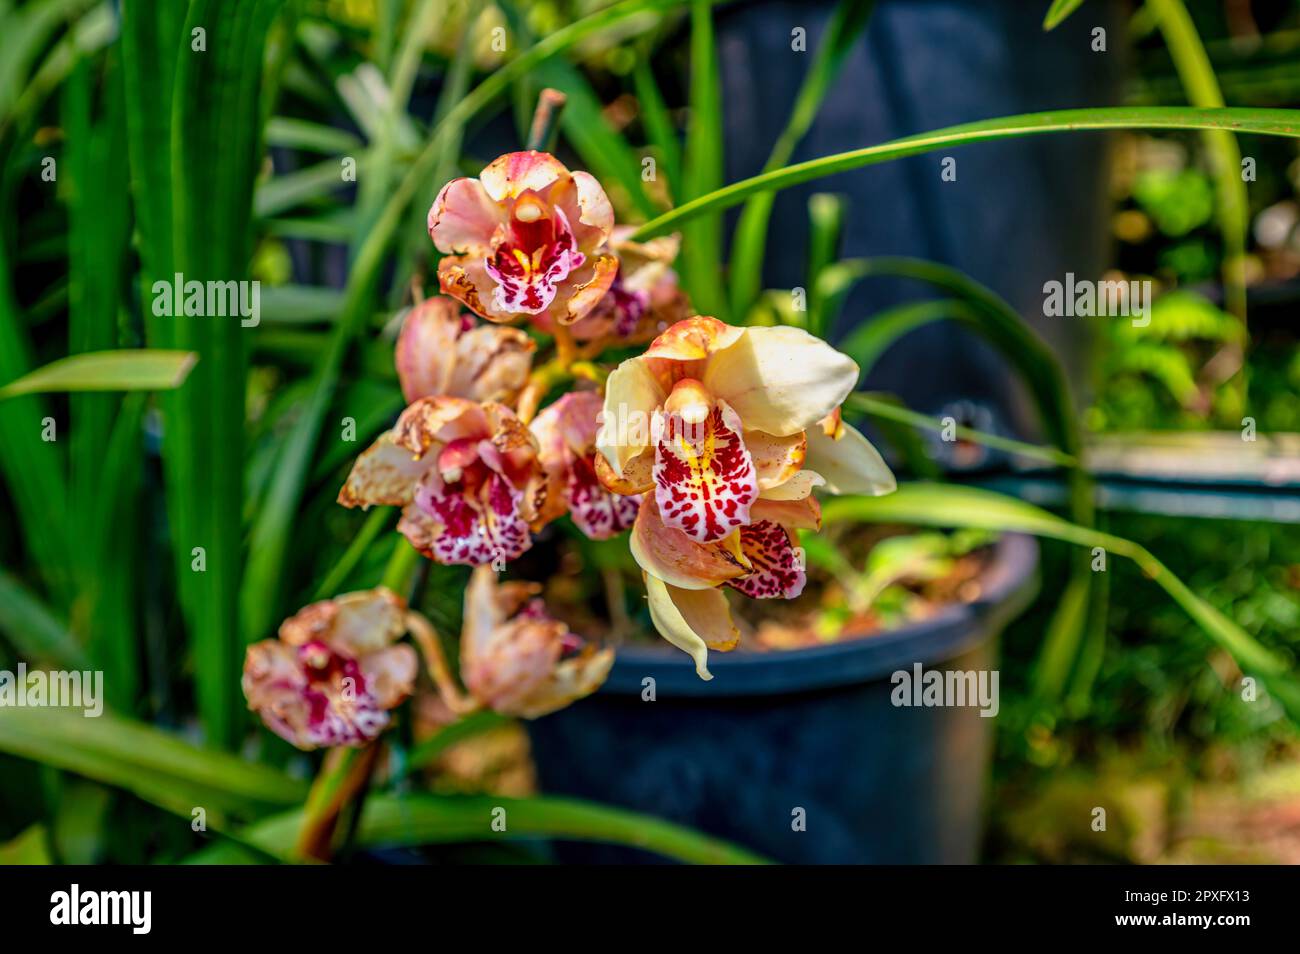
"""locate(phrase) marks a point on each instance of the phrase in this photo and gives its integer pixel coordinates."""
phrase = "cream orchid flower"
(743, 425)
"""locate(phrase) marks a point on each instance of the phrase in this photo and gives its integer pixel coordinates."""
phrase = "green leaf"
(216, 153)
(868, 341)
(749, 244)
(123, 370)
(300, 304)
(825, 227)
(947, 505)
(877, 407)
(33, 628)
(159, 767)
(1233, 202)
(702, 169)
(1266, 122)
(658, 124)
(1058, 11)
(413, 820)
(991, 317)
(302, 134)
(29, 847)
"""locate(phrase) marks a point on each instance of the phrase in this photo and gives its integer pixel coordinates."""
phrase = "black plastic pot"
(811, 729)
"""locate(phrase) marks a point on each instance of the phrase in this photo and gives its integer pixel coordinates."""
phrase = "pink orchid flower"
(516, 659)
(645, 298)
(566, 433)
(442, 350)
(334, 673)
(466, 475)
(526, 238)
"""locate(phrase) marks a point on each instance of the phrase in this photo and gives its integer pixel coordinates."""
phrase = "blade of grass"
(749, 244)
(825, 225)
(32, 465)
(376, 522)
(98, 239)
(871, 339)
(1267, 122)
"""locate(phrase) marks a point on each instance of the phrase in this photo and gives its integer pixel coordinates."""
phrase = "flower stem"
(426, 638)
(344, 773)
(546, 120)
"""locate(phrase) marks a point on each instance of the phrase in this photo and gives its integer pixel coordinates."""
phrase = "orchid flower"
(443, 351)
(526, 238)
(566, 433)
(514, 657)
(743, 423)
(466, 475)
(334, 672)
(645, 298)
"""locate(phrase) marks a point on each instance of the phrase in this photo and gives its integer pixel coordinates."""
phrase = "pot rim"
(1009, 583)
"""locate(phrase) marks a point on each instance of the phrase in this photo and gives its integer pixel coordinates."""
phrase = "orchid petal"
(632, 393)
(672, 556)
(796, 488)
(426, 348)
(849, 465)
(694, 339)
(463, 218)
(776, 459)
(491, 364)
(778, 568)
(638, 475)
(511, 175)
(587, 293)
(704, 476)
(673, 626)
(780, 379)
(383, 474)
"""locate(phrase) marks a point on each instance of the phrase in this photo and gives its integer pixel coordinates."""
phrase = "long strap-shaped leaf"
(398, 821)
(126, 369)
(947, 505)
(749, 243)
(1267, 122)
